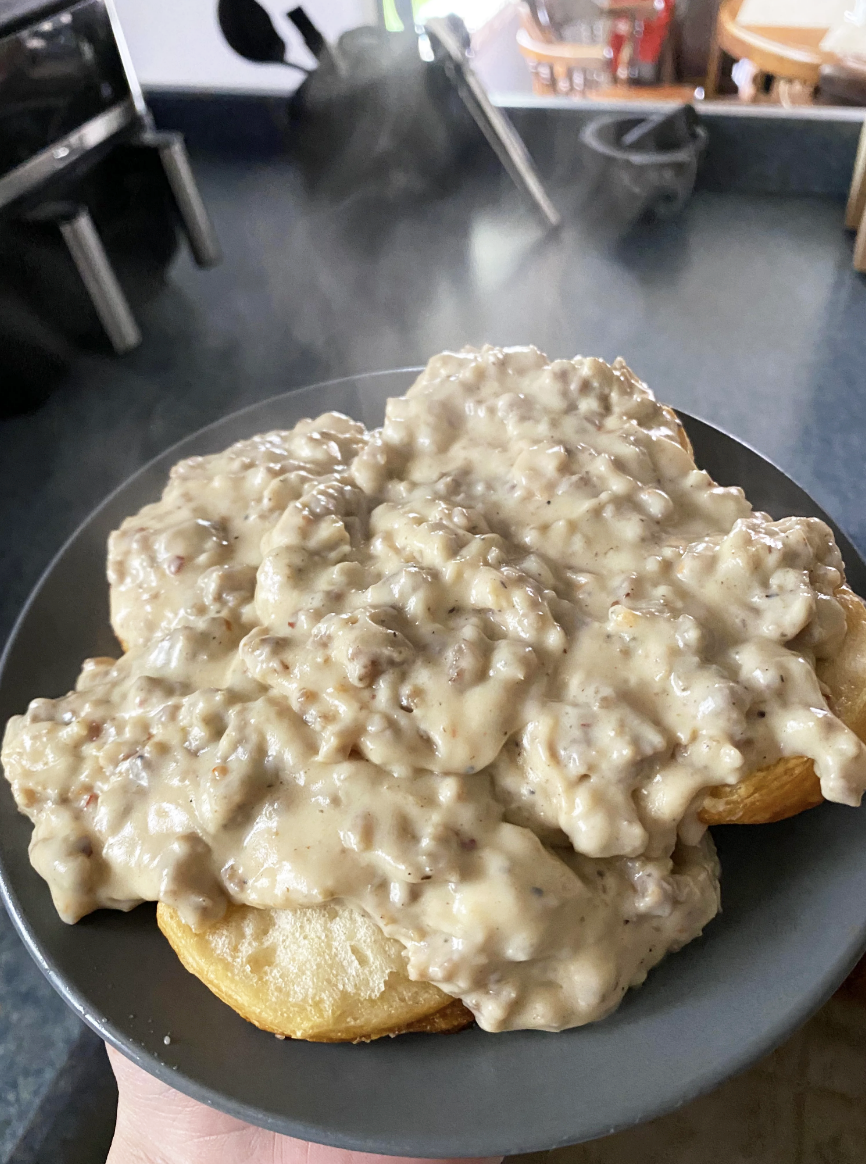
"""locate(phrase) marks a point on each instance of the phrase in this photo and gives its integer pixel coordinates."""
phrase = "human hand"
(158, 1125)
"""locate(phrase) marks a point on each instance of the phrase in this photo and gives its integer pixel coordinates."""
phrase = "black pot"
(643, 168)
(384, 119)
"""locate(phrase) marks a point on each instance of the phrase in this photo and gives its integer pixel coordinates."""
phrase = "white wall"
(497, 61)
(177, 44)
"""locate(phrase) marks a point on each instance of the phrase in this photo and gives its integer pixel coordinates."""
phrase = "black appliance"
(80, 162)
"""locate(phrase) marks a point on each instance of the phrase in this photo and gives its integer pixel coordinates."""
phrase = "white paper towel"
(793, 13)
(847, 38)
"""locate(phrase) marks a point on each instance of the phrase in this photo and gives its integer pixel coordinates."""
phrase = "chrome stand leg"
(199, 229)
(97, 274)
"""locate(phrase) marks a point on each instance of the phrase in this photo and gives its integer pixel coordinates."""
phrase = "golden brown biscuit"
(325, 973)
(790, 785)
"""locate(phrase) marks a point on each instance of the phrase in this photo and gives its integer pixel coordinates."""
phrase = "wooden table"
(791, 53)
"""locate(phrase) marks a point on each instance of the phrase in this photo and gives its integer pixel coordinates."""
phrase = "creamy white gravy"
(473, 672)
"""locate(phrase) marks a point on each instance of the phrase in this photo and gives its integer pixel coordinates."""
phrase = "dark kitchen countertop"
(745, 311)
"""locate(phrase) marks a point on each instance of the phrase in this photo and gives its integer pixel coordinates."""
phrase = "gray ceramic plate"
(794, 919)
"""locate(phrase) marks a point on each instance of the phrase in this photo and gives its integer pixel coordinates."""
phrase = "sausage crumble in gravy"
(473, 671)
